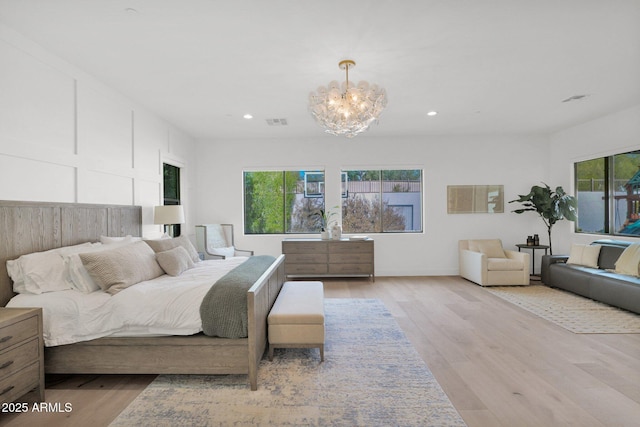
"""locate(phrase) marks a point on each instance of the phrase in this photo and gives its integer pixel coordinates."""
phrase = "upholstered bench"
(296, 319)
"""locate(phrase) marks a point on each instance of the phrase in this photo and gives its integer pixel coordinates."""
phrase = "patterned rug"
(371, 376)
(570, 311)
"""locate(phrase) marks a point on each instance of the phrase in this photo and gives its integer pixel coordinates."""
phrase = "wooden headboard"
(27, 227)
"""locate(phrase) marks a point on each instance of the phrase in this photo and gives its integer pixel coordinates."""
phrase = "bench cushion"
(299, 303)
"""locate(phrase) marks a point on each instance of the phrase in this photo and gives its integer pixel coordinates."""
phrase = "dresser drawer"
(348, 247)
(304, 247)
(306, 268)
(350, 269)
(19, 357)
(350, 258)
(19, 383)
(17, 332)
(305, 259)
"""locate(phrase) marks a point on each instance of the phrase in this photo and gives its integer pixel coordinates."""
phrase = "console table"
(328, 258)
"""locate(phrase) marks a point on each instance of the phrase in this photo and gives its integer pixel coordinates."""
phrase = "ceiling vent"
(277, 122)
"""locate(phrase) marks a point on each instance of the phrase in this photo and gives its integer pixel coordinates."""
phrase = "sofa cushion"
(586, 255)
(629, 260)
(609, 255)
(504, 264)
(492, 248)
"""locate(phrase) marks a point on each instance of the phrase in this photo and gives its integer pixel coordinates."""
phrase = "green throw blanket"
(224, 307)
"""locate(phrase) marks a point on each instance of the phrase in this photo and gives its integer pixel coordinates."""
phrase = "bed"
(27, 227)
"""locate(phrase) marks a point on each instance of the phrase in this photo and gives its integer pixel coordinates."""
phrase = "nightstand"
(21, 353)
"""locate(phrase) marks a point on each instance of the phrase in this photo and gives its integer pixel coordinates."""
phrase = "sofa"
(598, 273)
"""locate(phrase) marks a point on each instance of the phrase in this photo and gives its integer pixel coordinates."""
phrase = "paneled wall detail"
(66, 137)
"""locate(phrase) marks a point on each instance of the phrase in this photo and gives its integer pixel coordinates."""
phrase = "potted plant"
(324, 217)
(552, 206)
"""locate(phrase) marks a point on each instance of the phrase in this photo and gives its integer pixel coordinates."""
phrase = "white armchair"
(487, 263)
(216, 241)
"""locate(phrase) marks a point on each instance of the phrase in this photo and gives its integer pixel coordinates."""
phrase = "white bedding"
(166, 305)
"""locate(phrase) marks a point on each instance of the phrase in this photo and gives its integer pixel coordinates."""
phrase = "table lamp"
(168, 215)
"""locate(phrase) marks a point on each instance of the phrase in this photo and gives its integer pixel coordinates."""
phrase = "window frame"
(285, 223)
(166, 199)
(381, 179)
(609, 195)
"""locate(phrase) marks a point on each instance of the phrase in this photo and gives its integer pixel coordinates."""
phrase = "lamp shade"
(168, 214)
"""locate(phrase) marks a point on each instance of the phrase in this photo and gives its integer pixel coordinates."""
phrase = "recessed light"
(432, 113)
(248, 116)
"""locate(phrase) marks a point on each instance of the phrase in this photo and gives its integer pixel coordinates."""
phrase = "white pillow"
(586, 255)
(175, 261)
(166, 244)
(107, 240)
(116, 269)
(226, 252)
(81, 280)
(628, 261)
(40, 272)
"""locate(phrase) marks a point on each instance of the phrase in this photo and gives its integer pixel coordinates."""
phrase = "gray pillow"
(166, 244)
(175, 261)
(117, 269)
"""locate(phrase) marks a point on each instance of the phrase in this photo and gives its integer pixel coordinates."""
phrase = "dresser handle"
(5, 339)
(6, 390)
(6, 364)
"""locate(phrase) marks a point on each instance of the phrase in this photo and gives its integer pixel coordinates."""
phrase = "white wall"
(65, 137)
(517, 162)
(614, 133)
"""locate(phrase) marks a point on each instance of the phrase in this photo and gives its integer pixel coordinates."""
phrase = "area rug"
(371, 376)
(570, 311)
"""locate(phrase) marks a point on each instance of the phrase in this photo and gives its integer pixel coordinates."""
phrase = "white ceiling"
(487, 66)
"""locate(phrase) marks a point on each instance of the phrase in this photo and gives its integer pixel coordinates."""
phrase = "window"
(382, 201)
(171, 190)
(283, 201)
(608, 193)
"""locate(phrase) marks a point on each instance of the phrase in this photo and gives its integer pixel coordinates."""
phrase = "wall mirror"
(463, 199)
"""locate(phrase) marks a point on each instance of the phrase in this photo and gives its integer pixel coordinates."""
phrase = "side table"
(533, 254)
(21, 353)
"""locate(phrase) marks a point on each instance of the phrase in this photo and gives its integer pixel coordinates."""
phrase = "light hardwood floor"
(499, 365)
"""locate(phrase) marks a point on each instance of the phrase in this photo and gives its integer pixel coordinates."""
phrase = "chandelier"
(347, 109)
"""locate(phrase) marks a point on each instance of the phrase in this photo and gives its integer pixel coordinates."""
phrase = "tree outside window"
(279, 202)
(379, 201)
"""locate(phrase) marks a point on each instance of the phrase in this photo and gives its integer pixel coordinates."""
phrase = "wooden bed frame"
(27, 227)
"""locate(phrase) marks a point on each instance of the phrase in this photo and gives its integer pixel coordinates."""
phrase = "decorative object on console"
(348, 109)
(325, 217)
(168, 215)
(551, 206)
(336, 232)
